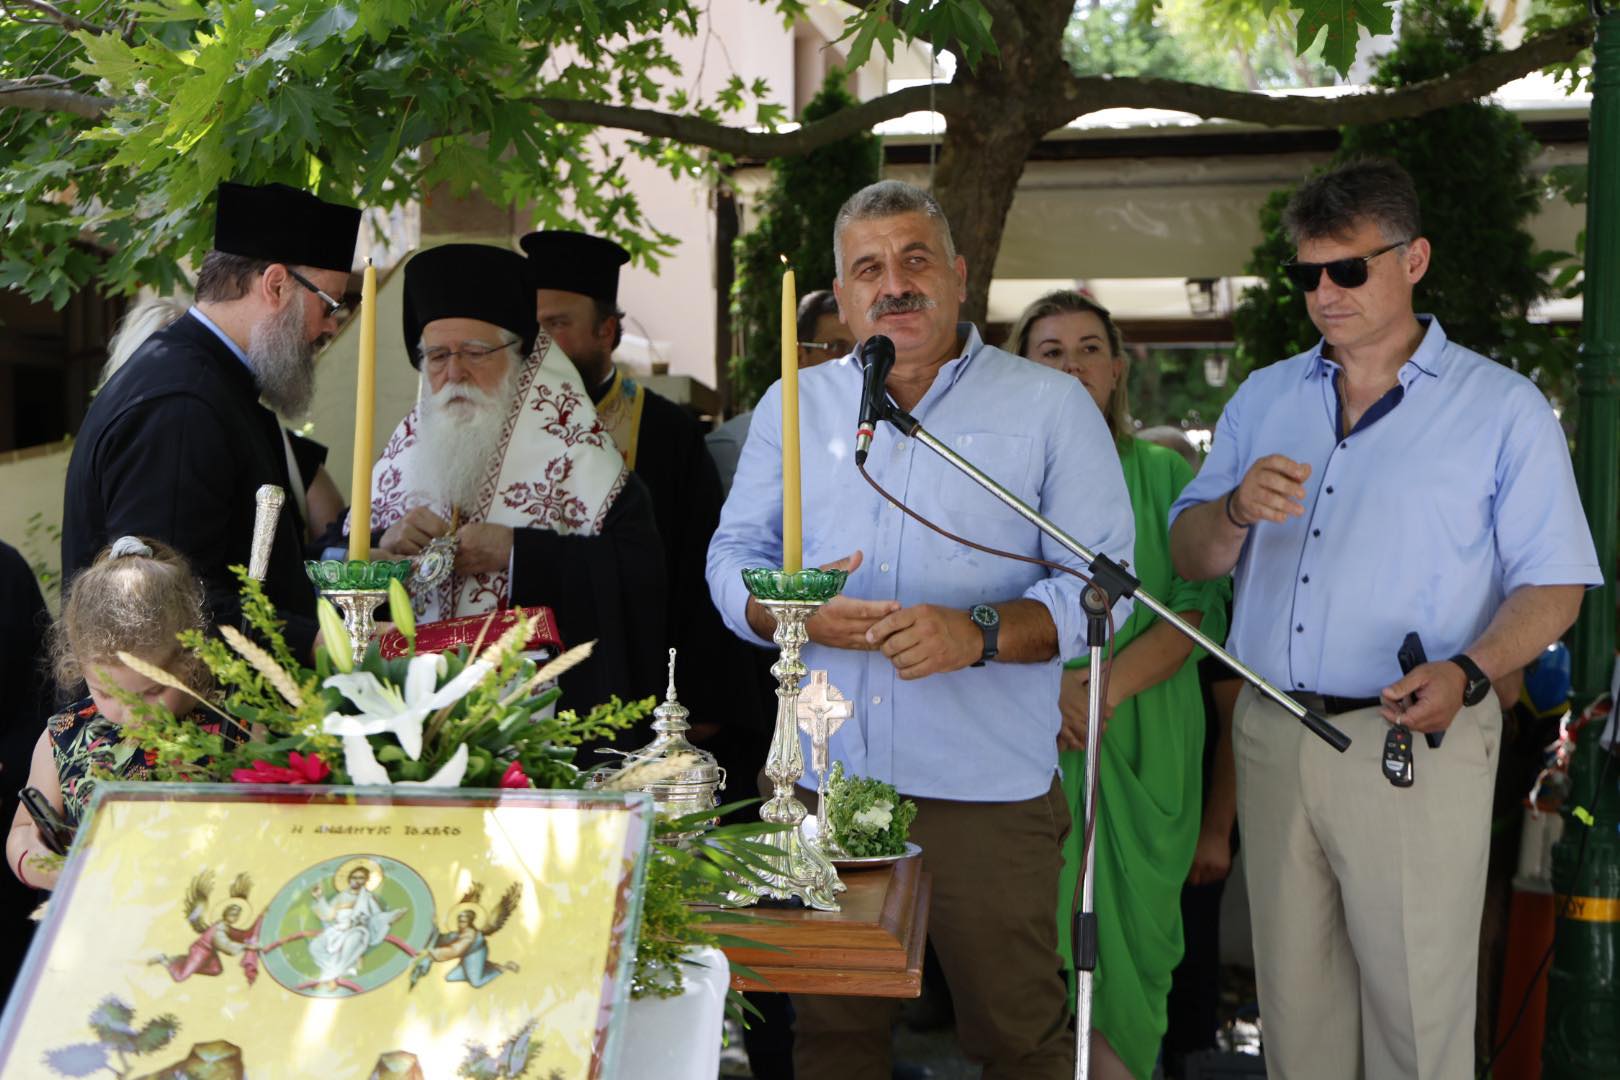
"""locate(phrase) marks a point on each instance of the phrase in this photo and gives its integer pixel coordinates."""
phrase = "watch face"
(985, 615)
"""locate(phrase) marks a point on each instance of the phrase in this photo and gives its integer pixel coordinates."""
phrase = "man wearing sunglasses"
(1385, 481)
(178, 441)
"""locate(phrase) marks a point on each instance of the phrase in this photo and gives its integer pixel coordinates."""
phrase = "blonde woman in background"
(1149, 773)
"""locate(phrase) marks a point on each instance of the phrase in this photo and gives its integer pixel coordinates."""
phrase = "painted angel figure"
(353, 921)
(467, 941)
(230, 930)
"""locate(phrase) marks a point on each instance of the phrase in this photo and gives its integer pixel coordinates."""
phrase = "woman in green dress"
(1149, 768)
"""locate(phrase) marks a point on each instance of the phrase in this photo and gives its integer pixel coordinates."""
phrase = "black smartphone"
(1411, 655)
(56, 833)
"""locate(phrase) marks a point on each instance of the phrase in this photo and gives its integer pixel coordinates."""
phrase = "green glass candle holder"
(356, 575)
(802, 586)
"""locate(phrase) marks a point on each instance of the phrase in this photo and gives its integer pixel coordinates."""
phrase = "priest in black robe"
(576, 278)
(179, 440)
(505, 452)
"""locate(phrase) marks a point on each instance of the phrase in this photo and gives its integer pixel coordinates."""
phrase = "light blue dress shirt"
(1424, 519)
(196, 313)
(979, 734)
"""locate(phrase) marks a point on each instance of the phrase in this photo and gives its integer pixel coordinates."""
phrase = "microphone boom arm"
(1112, 578)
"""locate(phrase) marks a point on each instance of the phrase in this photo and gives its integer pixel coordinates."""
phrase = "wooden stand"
(873, 947)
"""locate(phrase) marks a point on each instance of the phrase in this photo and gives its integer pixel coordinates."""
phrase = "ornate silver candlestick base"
(802, 869)
(357, 589)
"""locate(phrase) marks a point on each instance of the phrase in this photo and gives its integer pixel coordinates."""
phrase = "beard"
(284, 361)
(461, 434)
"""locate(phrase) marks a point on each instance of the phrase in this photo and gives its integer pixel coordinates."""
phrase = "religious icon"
(346, 926)
(822, 711)
(353, 922)
(228, 929)
(466, 940)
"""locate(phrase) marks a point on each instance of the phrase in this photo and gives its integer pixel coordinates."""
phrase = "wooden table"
(873, 947)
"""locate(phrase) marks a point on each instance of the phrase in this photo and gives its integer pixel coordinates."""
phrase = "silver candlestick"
(802, 870)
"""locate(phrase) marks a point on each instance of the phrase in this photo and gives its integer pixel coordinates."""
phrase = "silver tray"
(868, 862)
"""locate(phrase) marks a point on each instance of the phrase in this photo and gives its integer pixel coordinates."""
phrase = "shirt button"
(883, 567)
(967, 440)
(877, 699)
(1300, 629)
(1299, 686)
(1316, 532)
(1344, 446)
(1306, 580)
(1330, 489)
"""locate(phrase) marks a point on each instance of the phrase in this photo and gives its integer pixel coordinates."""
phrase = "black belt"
(1328, 705)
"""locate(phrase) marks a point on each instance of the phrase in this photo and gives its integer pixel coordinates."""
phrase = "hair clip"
(129, 545)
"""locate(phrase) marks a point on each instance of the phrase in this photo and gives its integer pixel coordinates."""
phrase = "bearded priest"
(178, 441)
(505, 451)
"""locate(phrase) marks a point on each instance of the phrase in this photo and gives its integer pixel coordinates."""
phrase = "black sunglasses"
(332, 305)
(1348, 273)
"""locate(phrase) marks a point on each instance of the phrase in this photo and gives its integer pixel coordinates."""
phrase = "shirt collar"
(236, 350)
(953, 368)
(1428, 359)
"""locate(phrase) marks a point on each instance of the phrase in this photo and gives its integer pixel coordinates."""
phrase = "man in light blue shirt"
(1384, 482)
(962, 716)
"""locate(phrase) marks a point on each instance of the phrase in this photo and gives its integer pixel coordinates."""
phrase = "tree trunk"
(977, 175)
(1007, 108)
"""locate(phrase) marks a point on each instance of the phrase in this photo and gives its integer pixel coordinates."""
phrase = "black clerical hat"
(468, 281)
(282, 224)
(575, 262)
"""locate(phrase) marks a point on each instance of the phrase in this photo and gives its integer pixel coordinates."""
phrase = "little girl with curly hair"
(134, 599)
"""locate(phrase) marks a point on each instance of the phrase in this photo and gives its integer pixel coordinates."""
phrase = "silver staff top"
(269, 500)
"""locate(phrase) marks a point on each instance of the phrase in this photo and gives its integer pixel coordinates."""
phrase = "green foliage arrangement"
(867, 816)
(795, 221)
(473, 718)
(1472, 168)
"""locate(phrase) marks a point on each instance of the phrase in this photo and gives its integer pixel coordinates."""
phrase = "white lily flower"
(877, 816)
(364, 769)
(384, 708)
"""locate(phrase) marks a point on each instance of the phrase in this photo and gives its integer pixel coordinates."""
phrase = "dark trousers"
(1195, 985)
(995, 873)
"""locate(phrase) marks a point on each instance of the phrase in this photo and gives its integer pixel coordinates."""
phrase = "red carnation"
(300, 769)
(515, 777)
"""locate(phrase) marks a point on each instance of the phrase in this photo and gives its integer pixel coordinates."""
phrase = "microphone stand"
(1110, 583)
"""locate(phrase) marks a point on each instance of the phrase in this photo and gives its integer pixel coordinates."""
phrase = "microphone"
(877, 354)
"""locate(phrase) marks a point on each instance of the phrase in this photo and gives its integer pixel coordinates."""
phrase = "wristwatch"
(1478, 684)
(988, 620)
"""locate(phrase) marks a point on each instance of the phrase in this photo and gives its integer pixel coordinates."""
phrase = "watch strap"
(1478, 684)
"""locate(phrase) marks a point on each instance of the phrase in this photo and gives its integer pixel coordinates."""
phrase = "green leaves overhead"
(1342, 20)
(368, 103)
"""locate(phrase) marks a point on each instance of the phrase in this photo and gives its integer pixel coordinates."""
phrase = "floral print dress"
(85, 743)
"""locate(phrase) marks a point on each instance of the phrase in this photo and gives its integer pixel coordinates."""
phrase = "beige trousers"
(1365, 898)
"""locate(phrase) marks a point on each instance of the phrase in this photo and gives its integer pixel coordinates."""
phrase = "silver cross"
(822, 711)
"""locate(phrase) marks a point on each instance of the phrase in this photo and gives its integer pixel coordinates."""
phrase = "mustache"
(900, 305)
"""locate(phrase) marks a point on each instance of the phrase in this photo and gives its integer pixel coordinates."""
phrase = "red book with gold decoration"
(450, 634)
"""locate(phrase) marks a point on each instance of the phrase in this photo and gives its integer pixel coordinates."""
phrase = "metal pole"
(1583, 991)
(1083, 926)
(1319, 725)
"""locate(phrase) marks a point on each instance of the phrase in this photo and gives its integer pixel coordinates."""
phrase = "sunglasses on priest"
(1348, 273)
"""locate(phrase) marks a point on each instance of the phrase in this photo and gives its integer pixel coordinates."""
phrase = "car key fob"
(1398, 755)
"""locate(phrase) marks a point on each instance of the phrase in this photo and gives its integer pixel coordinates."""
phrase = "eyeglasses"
(1348, 273)
(332, 306)
(471, 353)
(836, 348)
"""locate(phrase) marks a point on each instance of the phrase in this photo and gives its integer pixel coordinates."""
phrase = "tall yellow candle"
(365, 410)
(792, 504)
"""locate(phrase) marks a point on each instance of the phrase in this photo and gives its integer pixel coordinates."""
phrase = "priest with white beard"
(178, 441)
(504, 449)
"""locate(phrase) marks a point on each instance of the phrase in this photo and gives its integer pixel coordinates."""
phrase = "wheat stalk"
(264, 664)
(638, 774)
(517, 634)
(163, 678)
(557, 668)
